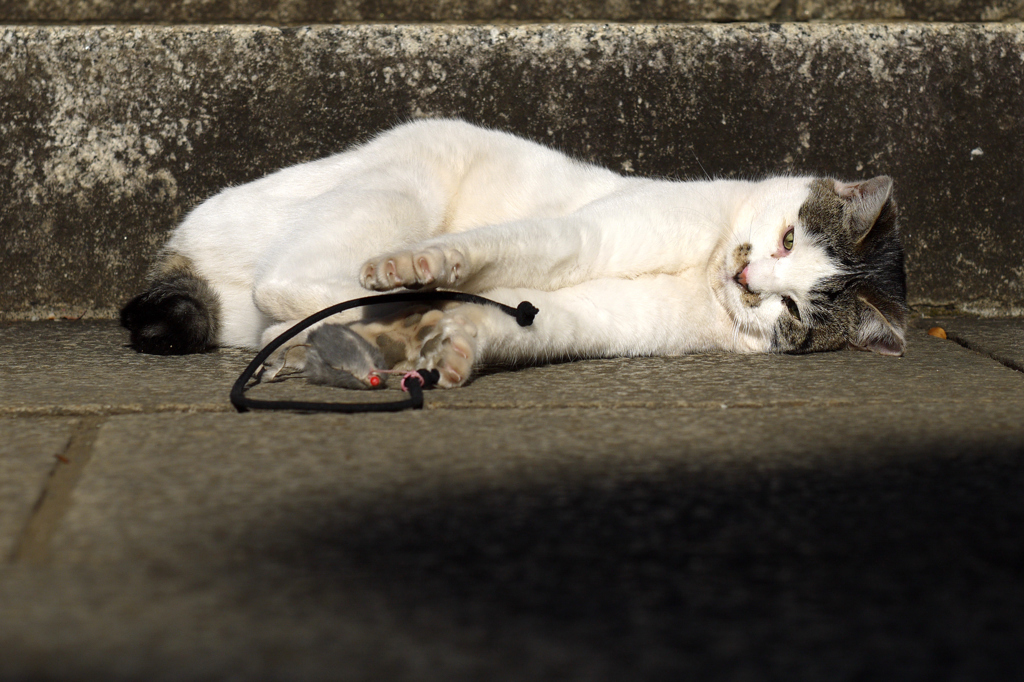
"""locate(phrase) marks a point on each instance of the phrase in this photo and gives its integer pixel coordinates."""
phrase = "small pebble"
(937, 332)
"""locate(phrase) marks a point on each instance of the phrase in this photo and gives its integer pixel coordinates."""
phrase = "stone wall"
(318, 11)
(110, 134)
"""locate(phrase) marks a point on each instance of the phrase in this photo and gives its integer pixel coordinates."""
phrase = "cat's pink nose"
(742, 276)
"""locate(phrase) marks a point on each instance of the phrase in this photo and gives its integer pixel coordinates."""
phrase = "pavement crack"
(1004, 360)
(33, 546)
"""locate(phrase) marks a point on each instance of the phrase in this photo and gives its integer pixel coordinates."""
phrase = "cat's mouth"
(748, 296)
(741, 278)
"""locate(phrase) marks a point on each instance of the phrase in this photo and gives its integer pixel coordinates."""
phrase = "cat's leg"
(317, 264)
(398, 336)
(538, 253)
(396, 330)
(654, 315)
(424, 338)
(636, 231)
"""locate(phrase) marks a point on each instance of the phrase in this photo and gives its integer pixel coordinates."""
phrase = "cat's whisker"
(694, 152)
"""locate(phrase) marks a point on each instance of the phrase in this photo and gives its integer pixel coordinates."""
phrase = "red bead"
(374, 380)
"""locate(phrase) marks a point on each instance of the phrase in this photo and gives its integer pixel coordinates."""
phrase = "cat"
(617, 265)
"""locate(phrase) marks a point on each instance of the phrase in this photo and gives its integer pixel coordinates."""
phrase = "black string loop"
(524, 314)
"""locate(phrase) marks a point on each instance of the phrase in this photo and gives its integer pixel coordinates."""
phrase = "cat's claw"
(426, 268)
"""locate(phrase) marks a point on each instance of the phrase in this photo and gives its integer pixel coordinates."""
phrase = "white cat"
(618, 266)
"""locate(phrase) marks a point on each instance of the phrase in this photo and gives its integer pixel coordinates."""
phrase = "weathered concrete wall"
(110, 134)
(316, 11)
(313, 11)
(915, 10)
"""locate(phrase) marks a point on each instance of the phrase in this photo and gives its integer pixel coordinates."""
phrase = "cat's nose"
(741, 276)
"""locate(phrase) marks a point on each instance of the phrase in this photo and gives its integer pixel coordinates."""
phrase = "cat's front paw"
(428, 267)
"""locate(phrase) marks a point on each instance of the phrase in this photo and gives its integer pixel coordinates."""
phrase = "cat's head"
(820, 267)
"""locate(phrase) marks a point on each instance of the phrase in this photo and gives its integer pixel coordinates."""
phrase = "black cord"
(524, 315)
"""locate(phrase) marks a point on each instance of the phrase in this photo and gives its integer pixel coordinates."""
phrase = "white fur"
(616, 265)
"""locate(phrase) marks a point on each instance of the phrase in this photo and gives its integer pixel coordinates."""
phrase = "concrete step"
(111, 133)
(312, 11)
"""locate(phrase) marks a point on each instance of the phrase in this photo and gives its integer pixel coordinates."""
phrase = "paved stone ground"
(839, 516)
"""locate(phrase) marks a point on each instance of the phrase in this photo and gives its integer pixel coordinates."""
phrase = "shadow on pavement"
(908, 570)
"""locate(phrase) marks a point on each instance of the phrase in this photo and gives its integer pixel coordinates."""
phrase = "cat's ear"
(865, 202)
(881, 327)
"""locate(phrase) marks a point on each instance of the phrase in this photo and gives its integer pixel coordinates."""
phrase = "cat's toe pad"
(429, 267)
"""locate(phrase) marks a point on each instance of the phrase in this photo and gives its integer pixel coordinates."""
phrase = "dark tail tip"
(169, 323)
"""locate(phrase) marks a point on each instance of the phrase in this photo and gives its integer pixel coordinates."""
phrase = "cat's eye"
(791, 305)
(787, 241)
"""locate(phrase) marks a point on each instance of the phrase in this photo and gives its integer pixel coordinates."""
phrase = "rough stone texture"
(1001, 340)
(79, 368)
(847, 517)
(536, 545)
(318, 11)
(915, 10)
(28, 452)
(111, 133)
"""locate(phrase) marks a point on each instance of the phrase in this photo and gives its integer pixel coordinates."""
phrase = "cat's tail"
(177, 314)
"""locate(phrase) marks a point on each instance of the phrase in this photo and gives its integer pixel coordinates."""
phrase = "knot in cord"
(525, 312)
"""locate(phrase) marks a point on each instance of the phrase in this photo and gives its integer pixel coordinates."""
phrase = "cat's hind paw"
(450, 349)
(424, 268)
